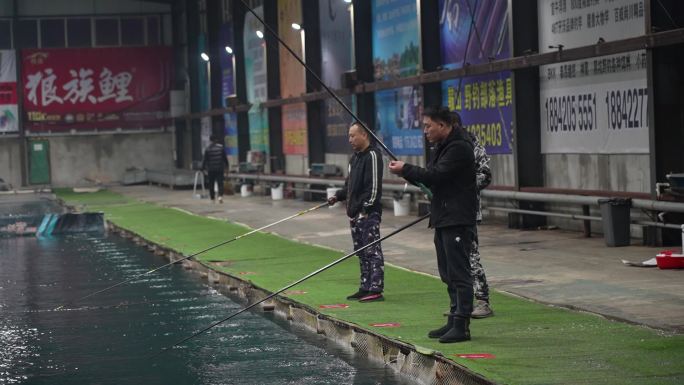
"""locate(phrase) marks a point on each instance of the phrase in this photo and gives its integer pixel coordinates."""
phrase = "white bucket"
(246, 190)
(402, 206)
(277, 192)
(330, 192)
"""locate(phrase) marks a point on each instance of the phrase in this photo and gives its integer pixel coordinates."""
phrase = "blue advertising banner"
(336, 55)
(396, 53)
(255, 77)
(484, 102)
(398, 120)
(227, 61)
(485, 107)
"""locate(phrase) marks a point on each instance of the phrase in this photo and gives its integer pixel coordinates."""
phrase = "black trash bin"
(616, 221)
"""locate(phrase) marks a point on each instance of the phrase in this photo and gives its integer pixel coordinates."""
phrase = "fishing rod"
(465, 53)
(326, 267)
(389, 153)
(473, 27)
(196, 254)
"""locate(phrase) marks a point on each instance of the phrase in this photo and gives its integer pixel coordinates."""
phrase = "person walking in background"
(450, 175)
(362, 191)
(214, 164)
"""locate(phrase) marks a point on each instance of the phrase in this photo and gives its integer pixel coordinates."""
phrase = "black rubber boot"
(459, 333)
(437, 333)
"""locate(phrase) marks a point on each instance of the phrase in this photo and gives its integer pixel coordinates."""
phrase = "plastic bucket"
(402, 206)
(330, 192)
(277, 192)
(246, 190)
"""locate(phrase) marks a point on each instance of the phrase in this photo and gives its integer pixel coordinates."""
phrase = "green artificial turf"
(531, 343)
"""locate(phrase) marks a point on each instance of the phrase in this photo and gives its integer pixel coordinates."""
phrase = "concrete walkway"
(551, 266)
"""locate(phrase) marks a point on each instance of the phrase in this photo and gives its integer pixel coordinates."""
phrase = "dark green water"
(109, 338)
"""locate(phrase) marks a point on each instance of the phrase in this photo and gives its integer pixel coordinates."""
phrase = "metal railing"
(554, 198)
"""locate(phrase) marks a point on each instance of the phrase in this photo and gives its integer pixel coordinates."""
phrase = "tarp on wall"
(396, 53)
(227, 61)
(597, 105)
(256, 81)
(88, 88)
(484, 102)
(292, 78)
(8, 92)
(336, 56)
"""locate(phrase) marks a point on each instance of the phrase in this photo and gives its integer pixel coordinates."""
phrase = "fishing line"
(124, 304)
(195, 254)
(422, 187)
(465, 53)
(326, 267)
(473, 27)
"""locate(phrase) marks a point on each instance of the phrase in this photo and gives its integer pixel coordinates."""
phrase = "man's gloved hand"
(332, 200)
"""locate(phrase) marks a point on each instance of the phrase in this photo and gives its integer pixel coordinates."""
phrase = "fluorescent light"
(347, 1)
(204, 56)
(260, 34)
(229, 50)
(296, 26)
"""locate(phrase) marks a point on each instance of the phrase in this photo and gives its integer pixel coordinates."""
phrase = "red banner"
(8, 93)
(96, 88)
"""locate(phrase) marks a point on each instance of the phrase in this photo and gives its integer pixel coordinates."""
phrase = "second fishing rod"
(292, 284)
(300, 213)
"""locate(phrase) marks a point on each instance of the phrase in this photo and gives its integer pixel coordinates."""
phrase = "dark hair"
(215, 138)
(441, 114)
(361, 125)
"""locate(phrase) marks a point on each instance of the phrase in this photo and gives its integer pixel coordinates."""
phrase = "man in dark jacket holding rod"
(450, 174)
(214, 163)
(362, 191)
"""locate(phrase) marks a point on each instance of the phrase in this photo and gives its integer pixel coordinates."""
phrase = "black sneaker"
(372, 297)
(358, 294)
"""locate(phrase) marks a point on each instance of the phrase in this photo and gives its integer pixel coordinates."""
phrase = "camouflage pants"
(364, 231)
(480, 285)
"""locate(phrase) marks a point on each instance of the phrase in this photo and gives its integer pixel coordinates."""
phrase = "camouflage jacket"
(483, 175)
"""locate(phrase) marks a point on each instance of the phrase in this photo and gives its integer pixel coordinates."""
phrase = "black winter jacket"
(214, 158)
(450, 174)
(363, 186)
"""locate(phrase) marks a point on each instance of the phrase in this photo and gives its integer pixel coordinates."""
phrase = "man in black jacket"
(214, 163)
(362, 191)
(450, 174)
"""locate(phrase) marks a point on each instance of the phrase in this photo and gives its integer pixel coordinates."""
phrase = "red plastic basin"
(669, 260)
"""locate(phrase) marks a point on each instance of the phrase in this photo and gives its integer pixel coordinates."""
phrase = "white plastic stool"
(199, 176)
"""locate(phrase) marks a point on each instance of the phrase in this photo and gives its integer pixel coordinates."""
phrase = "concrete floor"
(551, 266)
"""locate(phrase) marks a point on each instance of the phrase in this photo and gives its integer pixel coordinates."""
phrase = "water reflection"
(109, 338)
